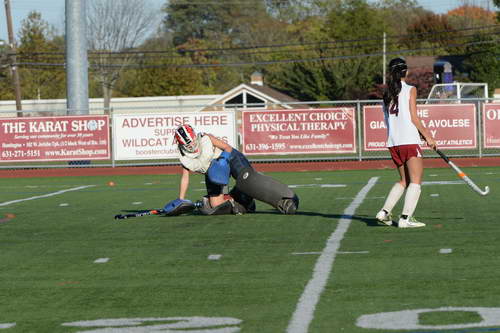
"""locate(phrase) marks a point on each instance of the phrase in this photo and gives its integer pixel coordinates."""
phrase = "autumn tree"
(333, 69)
(465, 17)
(431, 30)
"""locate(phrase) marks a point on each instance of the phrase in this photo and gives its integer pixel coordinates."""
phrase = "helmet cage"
(186, 138)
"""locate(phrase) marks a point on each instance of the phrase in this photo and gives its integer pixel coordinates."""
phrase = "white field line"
(339, 252)
(214, 256)
(353, 252)
(443, 182)
(45, 195)
(7, 325)
(304, 312)
(316, 185)
(101, 260)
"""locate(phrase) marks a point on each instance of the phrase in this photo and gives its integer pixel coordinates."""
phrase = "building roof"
(266, 90)
(266, 93)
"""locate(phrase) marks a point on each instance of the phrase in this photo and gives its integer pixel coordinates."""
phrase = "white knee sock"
(411, 199)
(393, 197)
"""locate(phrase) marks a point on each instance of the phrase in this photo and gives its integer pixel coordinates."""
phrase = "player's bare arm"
(219, 143)
(417, 122)
(184, 184)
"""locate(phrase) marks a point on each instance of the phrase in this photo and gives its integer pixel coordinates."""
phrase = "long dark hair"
(397, 71)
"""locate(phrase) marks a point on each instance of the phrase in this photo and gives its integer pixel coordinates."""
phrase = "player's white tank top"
(200, 161)
(400, 129)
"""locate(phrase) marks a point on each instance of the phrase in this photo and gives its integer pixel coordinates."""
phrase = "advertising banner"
(151, 136)
(299, 131)
(54, 138)
(491, 125)
(452, 125)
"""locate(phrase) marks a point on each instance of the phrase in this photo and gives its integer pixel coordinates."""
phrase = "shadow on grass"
(370, 221)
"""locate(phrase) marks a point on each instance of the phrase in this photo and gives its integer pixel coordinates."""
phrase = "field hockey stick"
(146, 213)
(462, 175)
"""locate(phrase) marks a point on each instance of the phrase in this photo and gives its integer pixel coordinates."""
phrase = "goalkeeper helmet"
(186, 138)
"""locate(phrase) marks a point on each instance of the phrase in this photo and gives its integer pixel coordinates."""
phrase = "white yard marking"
(367, 198)
(353, 252)
(339, 252)
(443, 182)
(433, 175)
(434, 195)
(46, 195)
(445, 251)
(317, 185)
(7, 325)
(318, 178)
(148, 183)
(333, 185)
(137, 203)
(63, 204)
(214, 256)
(101, 260)
(304, 312)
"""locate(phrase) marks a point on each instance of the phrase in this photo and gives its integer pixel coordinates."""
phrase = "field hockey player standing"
(404, 134)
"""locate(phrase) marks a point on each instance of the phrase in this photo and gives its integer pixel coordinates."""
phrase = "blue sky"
(53, 10)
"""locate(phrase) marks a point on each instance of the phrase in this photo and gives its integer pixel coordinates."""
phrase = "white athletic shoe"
(385, 218)
(411, 222)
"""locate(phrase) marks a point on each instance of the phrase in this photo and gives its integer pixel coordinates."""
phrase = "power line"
(262, 63)
(244, 48)
(148, 57)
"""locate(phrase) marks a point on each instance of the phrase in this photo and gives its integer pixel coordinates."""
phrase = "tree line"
(308, 49)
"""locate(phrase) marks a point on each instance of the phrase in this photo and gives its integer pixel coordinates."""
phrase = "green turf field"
(329, 268)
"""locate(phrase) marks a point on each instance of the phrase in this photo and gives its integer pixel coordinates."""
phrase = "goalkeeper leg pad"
(225, 208)
(247, 202)
(268, 190)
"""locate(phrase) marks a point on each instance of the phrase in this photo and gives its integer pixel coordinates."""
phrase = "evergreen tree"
(482, 61)
(37, 45)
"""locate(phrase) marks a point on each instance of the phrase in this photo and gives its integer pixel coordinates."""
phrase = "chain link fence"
(466, 119)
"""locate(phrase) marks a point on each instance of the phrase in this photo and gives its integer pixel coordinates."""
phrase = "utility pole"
(384, 60)
(13, 60)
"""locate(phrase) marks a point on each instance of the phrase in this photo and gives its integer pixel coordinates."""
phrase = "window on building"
(246, 98)
(251, 99)
(238, 99)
